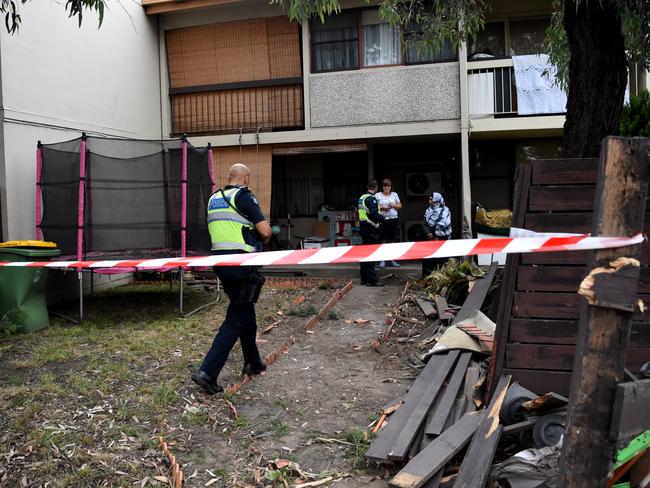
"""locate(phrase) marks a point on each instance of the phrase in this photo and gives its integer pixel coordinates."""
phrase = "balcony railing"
(491, 87)
(266, 105)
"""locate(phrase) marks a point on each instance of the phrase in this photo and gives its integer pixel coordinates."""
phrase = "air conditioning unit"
(414, 231)
(420, 184)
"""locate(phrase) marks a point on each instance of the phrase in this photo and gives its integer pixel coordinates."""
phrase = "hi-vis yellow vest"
(225, 224)
(363, 209)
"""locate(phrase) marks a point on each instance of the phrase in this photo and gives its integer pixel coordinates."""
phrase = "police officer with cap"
(235, 220)
(369, 218)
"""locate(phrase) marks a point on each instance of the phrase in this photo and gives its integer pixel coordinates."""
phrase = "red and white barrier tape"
(354, 254)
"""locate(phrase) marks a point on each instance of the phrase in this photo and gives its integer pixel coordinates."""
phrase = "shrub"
(636, 117)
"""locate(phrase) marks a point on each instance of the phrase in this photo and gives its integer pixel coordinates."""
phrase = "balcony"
(262, 105)
(386, 95)
(491, 88)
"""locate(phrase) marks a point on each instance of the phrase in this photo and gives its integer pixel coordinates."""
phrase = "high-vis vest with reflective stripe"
(225, 224)
(363, 209)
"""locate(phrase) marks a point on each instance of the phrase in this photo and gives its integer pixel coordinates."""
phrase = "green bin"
(23, 289)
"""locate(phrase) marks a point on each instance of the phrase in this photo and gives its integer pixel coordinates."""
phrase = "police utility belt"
(249, 289)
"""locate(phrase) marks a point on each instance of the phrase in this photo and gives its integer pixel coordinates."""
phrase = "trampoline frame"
(80, 226)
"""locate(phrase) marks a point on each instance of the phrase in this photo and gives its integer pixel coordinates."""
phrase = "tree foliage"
(432, 22)
(635, 22)
(455, 21)
(74, 8)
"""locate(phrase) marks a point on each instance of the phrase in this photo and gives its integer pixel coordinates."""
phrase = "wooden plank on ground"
(581, 171)
(427, 307)
(476, 465)
(442, 306)
(414, 422)
(422, 440)
(630, 416)
(476, 297)
(437, 418)
(471, 378)
(434, 457)
(383, 443)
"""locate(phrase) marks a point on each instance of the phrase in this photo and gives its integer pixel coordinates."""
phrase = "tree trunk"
(597, 75)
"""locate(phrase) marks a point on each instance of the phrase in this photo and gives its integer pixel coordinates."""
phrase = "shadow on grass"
(143, 304)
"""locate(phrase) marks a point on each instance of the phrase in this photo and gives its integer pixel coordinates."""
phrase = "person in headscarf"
(437, 225)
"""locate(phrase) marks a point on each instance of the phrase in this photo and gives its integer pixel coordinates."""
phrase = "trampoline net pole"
(39, 167)
(82, 188)
(184, 201)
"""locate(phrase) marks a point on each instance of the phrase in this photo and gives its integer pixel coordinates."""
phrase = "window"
(335, 43)
(381, 41)
(526, 36)
(418, 54)
(362, 38)
(490, 42)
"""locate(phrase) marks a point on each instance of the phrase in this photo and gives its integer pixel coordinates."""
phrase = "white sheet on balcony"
(481, 93)
(537, 92)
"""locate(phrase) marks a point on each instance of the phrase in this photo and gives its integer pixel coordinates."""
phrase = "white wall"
(59, 80)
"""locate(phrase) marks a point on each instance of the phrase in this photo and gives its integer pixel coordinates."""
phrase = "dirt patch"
(94, 417)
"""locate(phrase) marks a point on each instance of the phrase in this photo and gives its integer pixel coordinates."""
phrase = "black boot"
(253, 369)
(206, 382)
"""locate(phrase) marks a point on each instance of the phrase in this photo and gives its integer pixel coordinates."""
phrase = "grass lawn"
(84, 405)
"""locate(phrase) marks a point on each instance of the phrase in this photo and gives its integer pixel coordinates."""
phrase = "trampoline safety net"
(132, 200)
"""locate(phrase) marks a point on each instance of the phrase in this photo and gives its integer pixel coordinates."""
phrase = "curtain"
(381, 45)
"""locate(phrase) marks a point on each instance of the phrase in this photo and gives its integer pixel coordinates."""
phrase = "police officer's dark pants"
(240, 323)
(369, 235)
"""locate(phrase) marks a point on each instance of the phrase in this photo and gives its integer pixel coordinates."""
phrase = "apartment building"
(315, 109)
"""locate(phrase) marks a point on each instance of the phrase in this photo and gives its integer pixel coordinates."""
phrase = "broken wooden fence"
(537, 321)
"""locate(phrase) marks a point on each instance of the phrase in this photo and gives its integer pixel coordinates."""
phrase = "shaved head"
(238, 174)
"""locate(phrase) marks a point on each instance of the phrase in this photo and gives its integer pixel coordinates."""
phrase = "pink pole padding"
(211, 168)
(39, 166)
(82, 192)
(184, 201)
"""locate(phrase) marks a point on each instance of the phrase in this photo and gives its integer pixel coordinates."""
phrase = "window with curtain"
(416, 54)
(335, 43)
(527, 36)
(490, 42)
(381, 41)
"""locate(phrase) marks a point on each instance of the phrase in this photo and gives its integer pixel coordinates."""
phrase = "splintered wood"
(311, 323)
(175, 472)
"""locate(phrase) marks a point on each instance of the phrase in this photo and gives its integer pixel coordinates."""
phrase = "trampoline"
(109, 198)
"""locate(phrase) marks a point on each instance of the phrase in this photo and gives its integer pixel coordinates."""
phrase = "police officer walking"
(235, 220)
(369, 218)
